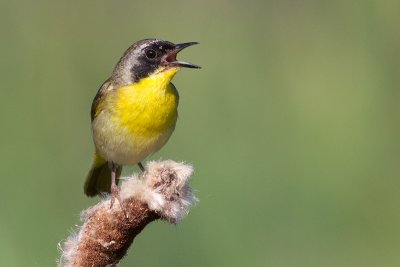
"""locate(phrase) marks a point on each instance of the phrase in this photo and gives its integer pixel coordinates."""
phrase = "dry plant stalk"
(162, 192)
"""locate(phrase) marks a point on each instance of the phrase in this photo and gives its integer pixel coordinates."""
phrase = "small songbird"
(134, 112)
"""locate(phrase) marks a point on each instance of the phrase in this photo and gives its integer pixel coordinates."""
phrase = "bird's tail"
(99, 177)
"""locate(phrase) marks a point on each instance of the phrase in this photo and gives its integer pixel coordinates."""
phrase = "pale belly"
(119, 144)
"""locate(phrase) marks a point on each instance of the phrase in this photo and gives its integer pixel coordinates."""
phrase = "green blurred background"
(292, 126)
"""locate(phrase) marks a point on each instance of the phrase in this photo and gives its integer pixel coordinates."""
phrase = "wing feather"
(98, 99)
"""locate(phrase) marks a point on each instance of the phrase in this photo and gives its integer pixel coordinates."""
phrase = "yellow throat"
(149, 106)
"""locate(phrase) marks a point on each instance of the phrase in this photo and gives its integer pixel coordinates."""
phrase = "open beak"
(170, 59)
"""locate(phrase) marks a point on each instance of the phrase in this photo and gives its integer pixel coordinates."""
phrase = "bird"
(134, 112)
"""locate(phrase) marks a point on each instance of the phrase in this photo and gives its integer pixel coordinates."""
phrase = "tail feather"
(99, 177)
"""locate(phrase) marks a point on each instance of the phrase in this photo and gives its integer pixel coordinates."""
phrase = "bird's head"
(147, 57)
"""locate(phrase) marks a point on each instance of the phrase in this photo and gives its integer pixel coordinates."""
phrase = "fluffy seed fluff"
(164, 188)
(163, 191)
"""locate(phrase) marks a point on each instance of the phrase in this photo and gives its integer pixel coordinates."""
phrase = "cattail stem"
(162, 192)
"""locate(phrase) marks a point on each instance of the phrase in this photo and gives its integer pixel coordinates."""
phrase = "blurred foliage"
(292, 126)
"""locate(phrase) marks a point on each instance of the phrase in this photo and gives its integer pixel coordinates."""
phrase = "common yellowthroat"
(134, 112)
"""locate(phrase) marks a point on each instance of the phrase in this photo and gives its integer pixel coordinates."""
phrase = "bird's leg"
(141, 167)
(114, 187)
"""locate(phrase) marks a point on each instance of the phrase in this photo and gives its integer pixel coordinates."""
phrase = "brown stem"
(106, 234)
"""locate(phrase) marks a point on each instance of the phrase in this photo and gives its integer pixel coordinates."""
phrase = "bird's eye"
(150, 53)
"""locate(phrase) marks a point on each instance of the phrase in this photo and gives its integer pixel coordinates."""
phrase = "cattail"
(162, 192)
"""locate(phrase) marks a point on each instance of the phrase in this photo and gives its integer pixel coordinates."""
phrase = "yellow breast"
(148, 107)
(138, 119)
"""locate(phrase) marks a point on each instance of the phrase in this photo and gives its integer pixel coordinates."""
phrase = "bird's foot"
(115, 194)
(141, 167)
